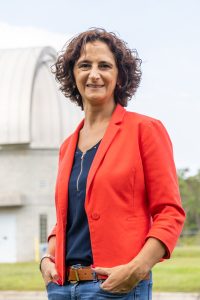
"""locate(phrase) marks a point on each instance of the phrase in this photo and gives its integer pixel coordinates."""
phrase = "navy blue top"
(78, 246)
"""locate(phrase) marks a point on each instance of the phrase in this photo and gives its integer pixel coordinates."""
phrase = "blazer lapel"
(65, 171)
(109, 135)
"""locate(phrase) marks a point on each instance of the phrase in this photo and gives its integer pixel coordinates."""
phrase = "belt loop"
(94, 274)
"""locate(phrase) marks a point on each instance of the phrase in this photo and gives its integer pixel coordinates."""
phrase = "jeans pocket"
(150, 290)
(143, 291)
(49, 284)
(112, 294)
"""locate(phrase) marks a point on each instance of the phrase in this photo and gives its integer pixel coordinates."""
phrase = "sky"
(166, 34)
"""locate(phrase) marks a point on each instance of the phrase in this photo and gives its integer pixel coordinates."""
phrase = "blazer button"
(95, 216)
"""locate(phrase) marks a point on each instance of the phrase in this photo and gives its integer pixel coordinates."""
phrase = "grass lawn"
(179, 274)
(20, 277)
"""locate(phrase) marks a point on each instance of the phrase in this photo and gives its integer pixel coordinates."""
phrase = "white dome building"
(34, 119)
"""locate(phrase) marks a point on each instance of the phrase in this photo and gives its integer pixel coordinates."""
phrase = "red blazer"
(131, 194)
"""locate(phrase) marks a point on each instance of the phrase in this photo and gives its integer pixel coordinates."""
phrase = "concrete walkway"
(176, 296)
(13, 295)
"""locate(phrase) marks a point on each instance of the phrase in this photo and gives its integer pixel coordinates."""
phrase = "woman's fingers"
(46, 281)
(54, 273)
(49, 271)
(120, 278)
(102, 271)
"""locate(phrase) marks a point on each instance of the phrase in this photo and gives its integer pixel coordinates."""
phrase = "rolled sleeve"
(52, 233)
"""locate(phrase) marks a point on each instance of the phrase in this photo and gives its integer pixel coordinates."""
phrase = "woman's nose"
(94, 73)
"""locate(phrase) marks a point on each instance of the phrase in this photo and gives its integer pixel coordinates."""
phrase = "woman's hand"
(122, 278)
(49, 272)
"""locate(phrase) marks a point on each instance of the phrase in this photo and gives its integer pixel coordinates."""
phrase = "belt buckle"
(75, 268)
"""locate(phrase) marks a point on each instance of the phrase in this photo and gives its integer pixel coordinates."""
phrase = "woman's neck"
(97, 115)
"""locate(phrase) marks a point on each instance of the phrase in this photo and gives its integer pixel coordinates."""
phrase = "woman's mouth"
(95, 85)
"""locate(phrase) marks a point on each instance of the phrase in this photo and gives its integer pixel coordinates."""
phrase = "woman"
(117, 198)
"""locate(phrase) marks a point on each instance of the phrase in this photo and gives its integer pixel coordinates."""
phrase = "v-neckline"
(79, 150)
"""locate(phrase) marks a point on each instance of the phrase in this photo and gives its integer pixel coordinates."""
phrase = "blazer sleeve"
(161, 184)
(53, 231)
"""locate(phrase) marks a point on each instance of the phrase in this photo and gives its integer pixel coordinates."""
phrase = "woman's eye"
(104, 66)
(84, 66)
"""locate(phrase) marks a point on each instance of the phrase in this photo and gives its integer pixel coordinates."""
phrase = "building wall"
(30, 175)
(35, 117)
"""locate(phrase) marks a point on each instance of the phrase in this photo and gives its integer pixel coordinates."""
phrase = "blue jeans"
(91, 290)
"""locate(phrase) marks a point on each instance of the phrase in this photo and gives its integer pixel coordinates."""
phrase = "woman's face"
(96, 73)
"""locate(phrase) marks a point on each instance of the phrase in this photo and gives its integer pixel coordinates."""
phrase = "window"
(43, 228)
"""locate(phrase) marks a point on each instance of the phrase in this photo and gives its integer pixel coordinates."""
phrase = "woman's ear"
(118, 85)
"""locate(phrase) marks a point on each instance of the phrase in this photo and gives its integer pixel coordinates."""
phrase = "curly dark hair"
(127, 61)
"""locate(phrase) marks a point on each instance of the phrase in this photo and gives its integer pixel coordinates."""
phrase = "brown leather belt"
(82, 274)
(86, 273)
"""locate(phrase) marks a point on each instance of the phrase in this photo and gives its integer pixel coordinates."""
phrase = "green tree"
(190, 194)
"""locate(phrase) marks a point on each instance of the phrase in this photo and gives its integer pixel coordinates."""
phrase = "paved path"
(176, 296)
(13, 295)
